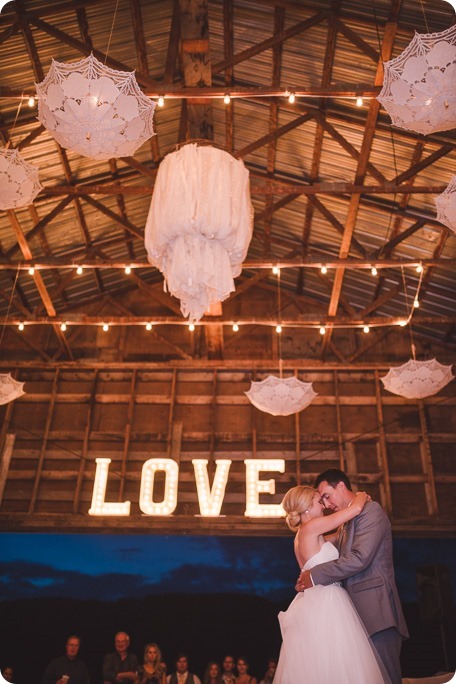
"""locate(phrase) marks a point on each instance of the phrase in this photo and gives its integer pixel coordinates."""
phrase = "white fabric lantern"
(94, 110)
(281, 396)
(199, 225)
(446, 205)
(19, 184)
(10, 388)
(419, 90)
(417, 379)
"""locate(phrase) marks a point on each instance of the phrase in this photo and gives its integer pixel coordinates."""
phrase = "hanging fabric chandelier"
(19, 184)
(10, 388)
(446, 205)
(199, 225)
(419, 85)
(281, 396)
(417, 379)
(93, 110)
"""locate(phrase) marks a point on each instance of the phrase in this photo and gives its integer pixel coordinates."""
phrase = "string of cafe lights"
(112, 321)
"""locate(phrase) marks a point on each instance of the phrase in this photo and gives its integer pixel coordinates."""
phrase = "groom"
(366, 567)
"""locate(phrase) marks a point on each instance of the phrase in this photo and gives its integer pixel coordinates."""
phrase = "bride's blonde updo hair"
(296, 502)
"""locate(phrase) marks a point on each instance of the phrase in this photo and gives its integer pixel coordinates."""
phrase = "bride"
(324, 640)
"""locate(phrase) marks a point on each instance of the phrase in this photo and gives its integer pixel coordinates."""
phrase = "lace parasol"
(19, 184)
(10, 388)
(446, 205)
(417, 379)
(281, 396)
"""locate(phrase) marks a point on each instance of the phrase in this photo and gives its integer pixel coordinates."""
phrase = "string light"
(402, 324)
(79, 270)
(324, 270)
(148, 326)
(191, 327)
(416, 304)
(161, 101)
(366, 329)
(235, 327)
(374, 271)
(322, 330)
(31, 101)
(105, 327)
(227, 99)
(275, 270)
(127, 270)
(21, 326)
(31, 270)
(419, 268)
(278, 328)
(359, 101)
(63, 327)
(291, 98)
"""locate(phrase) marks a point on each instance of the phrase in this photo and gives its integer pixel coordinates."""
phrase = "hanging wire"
(110, 33)
(9, 305)
(411, 309)
(279, 309)
(424, 15)
(19, 107)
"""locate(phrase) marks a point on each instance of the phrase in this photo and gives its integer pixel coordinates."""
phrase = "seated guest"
(243, 677)
(120, 666)
(7, 673)
(152, 671)
(228, 675)
(182, 675)
(213, 674)
(68, 669)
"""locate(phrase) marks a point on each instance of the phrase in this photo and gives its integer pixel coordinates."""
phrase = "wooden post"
(352, 467)
(172, 403)
(85, 444)
(131, 408)
(5, 461)
(382, 452)
(426, 460)
(297, 427)
(339, 423)
(47, 428)
(213, 416)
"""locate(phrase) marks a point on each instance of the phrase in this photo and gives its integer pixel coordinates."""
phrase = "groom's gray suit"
(365, 567)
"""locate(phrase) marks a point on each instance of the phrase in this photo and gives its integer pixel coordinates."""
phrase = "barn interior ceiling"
(344, 202)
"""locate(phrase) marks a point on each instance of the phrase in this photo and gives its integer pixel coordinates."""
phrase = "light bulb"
(31, 270)
(63, 327)
(366, 329)
(31, 101)
(127, 270)
(322, 330)
(278, 328)
(374, 271)
(359, 101)
(79, 270)
(402, 324)
(419, 268)
(291, 98)
(105, 327)
(276, 270)
(324, 270)
(191, 327)
(227, 99)
(416, 304)
(21, 326)
(148, 326)
(161, 101)
(235, 327)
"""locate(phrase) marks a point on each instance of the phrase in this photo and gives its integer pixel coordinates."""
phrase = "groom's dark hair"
(333, 476)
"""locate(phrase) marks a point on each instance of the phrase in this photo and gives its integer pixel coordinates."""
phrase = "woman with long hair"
(152, 670)
(213, 674)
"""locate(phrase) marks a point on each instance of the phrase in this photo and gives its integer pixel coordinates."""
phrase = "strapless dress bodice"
(328, 552)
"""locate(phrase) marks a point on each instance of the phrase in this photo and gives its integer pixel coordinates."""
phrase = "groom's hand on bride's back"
(304, 581)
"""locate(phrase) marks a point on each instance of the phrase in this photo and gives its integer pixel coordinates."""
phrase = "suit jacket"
(365, 567)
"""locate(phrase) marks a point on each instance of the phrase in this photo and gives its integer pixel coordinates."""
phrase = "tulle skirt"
(325, 642)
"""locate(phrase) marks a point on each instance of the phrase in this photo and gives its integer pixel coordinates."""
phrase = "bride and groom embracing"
(335, 635)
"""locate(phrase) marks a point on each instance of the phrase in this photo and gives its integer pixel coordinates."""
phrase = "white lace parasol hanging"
(417, 379)
(19, 184)
(281, 396)
(10, 388)
(94, 110)
(419, 91)
(446, 205)
(199, 225)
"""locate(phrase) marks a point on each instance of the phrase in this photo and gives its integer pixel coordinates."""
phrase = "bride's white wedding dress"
(324, 640)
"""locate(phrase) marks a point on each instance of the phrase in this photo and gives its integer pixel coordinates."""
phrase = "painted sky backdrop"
(109, 567)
